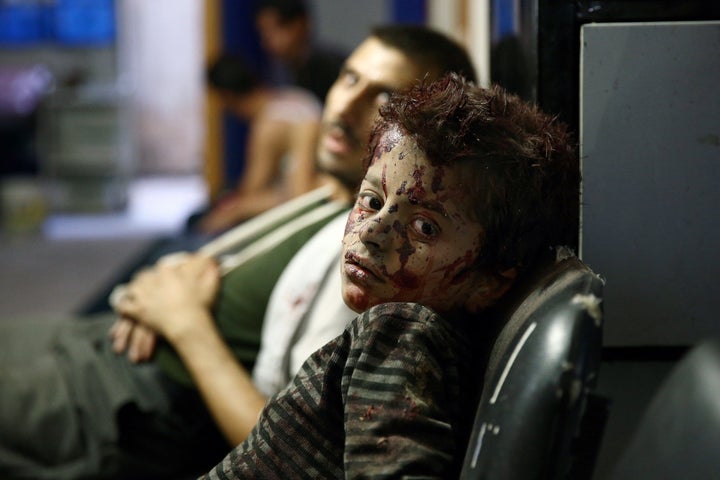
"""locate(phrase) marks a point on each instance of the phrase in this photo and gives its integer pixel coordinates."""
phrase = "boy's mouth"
(360, 268)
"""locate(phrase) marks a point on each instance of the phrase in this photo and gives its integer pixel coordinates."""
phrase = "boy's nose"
(376, 233)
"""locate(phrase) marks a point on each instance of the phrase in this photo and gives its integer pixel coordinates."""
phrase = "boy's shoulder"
(407, 311)
(405, 320)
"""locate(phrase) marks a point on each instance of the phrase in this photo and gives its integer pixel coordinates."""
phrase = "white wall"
(160, 49)
(468, 22)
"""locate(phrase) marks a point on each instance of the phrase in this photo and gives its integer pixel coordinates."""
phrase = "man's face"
(408, 237)
(370, 74)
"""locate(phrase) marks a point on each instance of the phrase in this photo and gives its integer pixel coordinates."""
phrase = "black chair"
(678, 436)
(536, 389)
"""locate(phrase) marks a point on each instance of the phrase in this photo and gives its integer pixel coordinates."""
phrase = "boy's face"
(370, 74)
(408, 237)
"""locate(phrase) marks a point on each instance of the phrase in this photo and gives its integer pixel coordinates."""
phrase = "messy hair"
(517, 163)
(287, 10)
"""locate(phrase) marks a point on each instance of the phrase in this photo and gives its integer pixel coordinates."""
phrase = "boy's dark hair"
(230, 73)
(516, 162)
(287, 10)
(432, 50)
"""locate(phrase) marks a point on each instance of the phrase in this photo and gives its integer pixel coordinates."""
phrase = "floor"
(53, 271)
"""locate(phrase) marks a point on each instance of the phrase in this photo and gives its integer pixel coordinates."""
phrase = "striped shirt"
(385, 399)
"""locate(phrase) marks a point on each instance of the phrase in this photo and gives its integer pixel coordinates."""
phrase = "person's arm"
(237, 207)
(302, 174)
(134, 339)
(401, 397)
(267, 144)
(379, 401)
(174, 301)
(225, 385)
(258, 190)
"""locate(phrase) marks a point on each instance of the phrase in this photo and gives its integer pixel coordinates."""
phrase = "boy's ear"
(489, 288)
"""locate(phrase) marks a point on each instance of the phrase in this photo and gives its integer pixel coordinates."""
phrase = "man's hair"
(230, 73)
(431, 50)
(287, 10)
(515, 162)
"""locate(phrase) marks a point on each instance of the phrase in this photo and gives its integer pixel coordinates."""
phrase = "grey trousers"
(72, 409)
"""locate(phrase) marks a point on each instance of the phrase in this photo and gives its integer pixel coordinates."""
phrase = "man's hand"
(172, 298)
(137, 340)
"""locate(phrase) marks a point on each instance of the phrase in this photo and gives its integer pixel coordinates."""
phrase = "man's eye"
(348, 77)
(426, 228)
(369, 201)
(382, 98)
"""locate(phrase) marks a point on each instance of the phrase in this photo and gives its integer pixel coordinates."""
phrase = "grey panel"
(650, 141)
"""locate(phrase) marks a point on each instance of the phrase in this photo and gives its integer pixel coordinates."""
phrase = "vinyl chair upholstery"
(541, 368)
(678, 436)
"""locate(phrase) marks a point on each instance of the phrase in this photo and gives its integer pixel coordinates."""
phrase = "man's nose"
(352, 107)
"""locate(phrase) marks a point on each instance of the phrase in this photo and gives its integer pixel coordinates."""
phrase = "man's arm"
(225, 385)
(174, 301)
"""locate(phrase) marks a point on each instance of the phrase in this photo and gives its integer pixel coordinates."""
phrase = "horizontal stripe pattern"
(382, 400)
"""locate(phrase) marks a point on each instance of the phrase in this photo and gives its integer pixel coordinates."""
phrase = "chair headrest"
(557, 284)
(542, 363)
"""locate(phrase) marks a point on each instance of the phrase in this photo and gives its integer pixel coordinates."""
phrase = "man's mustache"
(350, 134)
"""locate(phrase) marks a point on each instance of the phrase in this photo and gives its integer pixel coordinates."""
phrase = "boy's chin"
(356, 299)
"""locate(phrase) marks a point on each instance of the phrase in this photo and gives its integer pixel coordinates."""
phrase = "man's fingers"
(137, 340)
(173, 259)
(142, 344)
(126, 305)
(117, 294)
(120, 333)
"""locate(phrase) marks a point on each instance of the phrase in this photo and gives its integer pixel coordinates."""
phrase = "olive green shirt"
(243, 297)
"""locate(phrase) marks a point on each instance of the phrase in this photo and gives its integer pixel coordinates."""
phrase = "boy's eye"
(426, 228)
(369, 201)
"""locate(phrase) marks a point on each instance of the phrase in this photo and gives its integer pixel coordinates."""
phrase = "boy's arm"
(401, 397)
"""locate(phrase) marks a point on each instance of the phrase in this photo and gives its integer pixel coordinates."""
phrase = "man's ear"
(488, 289)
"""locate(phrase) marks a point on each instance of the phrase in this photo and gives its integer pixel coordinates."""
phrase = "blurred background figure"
(280, 150)
(286, 34)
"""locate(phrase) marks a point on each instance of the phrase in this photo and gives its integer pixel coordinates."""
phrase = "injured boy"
(464, 189)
